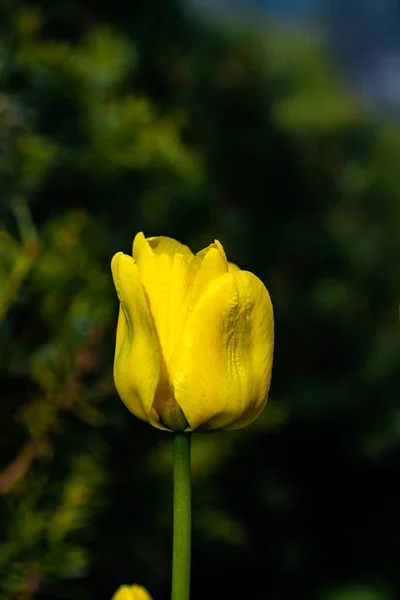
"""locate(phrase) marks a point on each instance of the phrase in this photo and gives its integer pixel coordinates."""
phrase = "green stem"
(182, 518)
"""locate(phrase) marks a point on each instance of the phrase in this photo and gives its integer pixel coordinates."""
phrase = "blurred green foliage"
(116, 119)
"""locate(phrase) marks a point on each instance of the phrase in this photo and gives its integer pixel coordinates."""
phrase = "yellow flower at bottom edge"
(195, 337)
(131, 592)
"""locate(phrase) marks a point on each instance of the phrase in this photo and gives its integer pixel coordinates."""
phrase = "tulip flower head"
(195, 337)
(131, 592)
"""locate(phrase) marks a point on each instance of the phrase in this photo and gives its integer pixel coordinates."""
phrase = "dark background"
(120, 117)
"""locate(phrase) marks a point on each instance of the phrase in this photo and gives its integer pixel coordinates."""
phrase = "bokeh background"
(273, 127)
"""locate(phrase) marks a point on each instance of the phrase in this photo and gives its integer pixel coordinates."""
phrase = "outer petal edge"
(221, 368)
(137, 361)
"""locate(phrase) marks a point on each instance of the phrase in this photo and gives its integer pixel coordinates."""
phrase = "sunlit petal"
(208, 264)
(131, 592)
(144, 248)
(166, 279)
(221, 369)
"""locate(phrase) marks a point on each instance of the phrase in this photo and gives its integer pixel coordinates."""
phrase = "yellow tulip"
(131, 592)
(195, 337)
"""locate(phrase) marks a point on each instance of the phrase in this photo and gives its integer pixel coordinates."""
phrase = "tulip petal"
(131, 592)
(221, 367)
(145, 248)
(166, 245)
(137, 361)
(209, 264)
(217, 245)
(141, 250)
(232, 268)
(167, 281)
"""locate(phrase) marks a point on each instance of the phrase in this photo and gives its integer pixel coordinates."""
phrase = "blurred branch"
(31, 584)
(17, 468)
(27, 255)
(63, 400)
(27, 230)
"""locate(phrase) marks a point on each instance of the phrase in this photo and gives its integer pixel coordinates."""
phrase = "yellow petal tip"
(131, 592)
